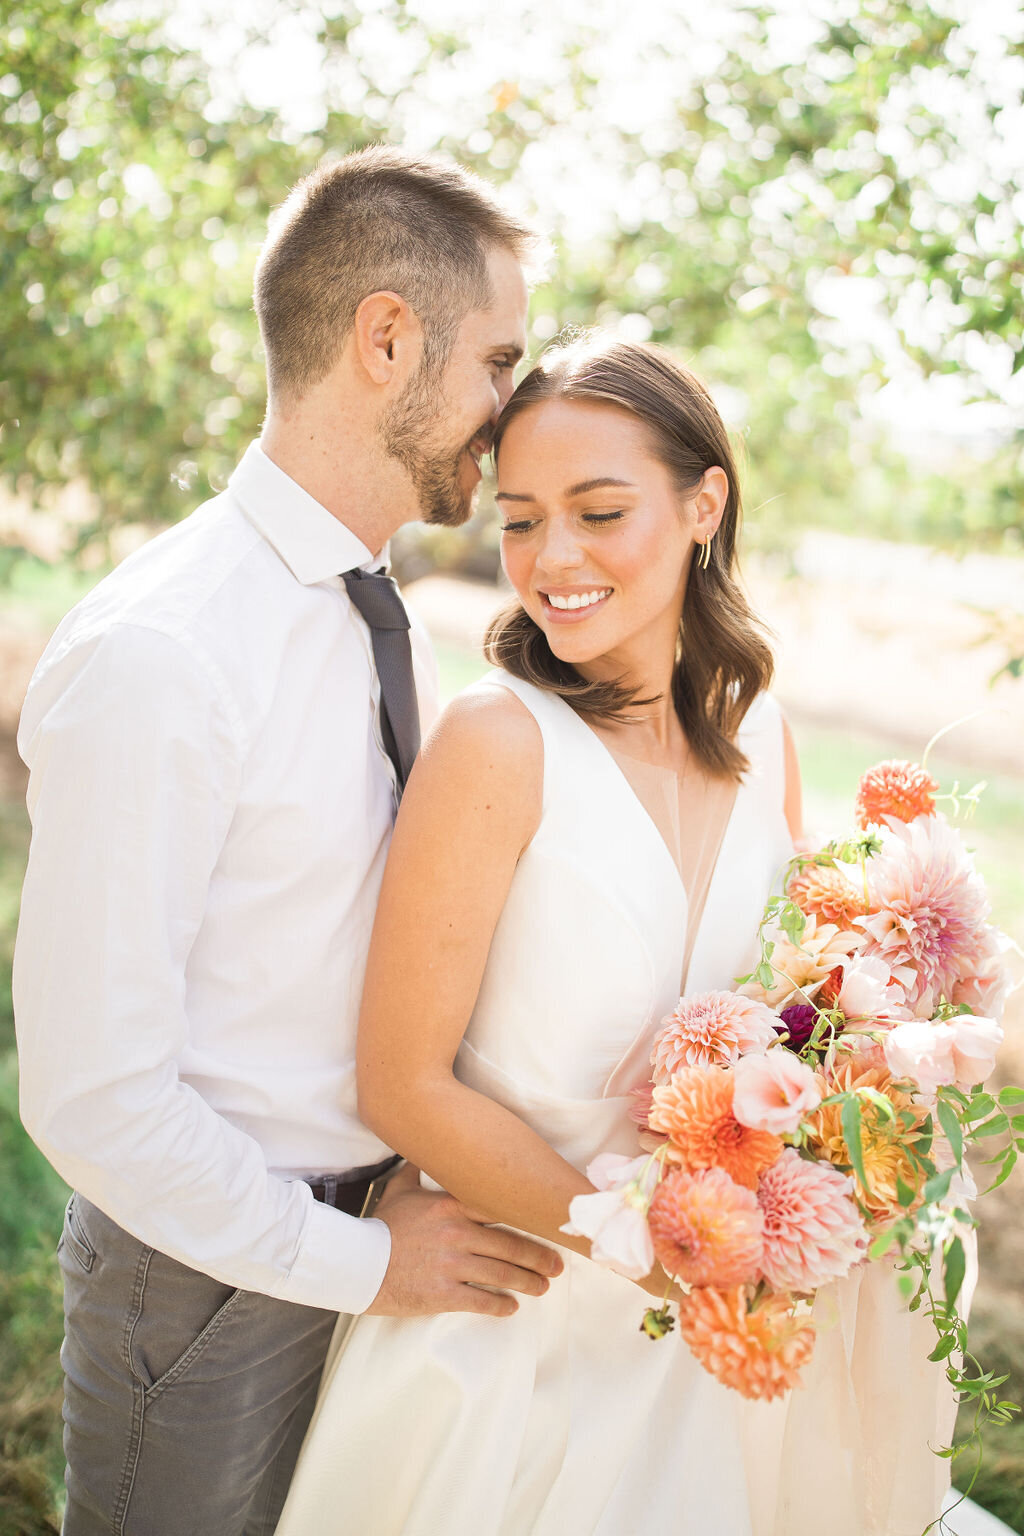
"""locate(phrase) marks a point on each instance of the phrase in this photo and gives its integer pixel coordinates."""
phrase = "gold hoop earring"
(705, 554)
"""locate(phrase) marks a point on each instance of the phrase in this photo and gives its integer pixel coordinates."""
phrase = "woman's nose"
(560, 550)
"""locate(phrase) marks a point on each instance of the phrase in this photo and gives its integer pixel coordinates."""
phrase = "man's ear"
(388, 338)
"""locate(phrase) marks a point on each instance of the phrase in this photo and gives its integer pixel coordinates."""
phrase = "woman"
(591, 829)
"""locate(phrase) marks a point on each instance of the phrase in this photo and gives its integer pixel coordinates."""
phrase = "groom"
(217, 738)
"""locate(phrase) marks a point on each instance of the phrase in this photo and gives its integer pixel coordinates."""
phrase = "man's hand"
(440, 1257)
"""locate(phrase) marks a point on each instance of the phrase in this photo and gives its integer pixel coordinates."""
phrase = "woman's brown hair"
(723, 661)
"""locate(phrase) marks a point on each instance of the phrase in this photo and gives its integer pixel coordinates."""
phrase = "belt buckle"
(377, 1188)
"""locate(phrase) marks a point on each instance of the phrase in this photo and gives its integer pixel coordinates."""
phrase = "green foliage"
(133, 200)
(31, 1200)
(131, 221)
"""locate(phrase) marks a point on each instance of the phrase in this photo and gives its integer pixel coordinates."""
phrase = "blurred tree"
(133, 202)
(130, 221)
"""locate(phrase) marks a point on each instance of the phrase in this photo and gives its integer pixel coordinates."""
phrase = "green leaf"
(904, 1194)
(994, 1127)
(944, 1347)
(937, 1187)
(850, 1117)
(881, 1244)
(950, 1122)
(793, 923)
(953, 1270)
(884, 1106)
(1009, 1159)
(1011, 1095)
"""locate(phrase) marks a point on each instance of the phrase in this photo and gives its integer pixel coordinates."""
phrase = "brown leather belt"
(348, 1191)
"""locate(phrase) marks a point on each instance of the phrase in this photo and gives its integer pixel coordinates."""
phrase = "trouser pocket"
(74, 1240)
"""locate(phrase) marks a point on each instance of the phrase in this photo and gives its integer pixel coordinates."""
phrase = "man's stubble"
(410, 431)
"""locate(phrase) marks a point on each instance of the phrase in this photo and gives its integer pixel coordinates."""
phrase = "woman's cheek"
(516, 565)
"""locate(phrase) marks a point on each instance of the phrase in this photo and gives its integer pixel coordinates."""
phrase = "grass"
(31, 1204)
(32, 1196)
(39, 593)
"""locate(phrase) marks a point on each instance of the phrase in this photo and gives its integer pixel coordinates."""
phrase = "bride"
(593, 828)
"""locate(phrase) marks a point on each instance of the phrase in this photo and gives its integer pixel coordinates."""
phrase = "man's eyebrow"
(574, 490)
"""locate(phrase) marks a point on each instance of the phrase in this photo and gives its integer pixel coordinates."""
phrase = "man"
(217, 739)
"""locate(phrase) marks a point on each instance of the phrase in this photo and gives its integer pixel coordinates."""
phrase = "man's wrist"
(341, 1262)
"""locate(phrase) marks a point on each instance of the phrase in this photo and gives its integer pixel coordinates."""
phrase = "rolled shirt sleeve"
(135, 761)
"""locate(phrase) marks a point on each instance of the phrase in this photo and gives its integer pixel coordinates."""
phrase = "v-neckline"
(641, 808)
(645, 814)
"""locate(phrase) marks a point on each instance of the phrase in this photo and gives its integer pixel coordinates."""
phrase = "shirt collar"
(313, 544)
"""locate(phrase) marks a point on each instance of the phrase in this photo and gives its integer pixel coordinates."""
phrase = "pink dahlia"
(898, 789)
(643, 1098)
(812, 1229)
(706, 1229)
(711, 1030)
(758, 1349)
(928, 911)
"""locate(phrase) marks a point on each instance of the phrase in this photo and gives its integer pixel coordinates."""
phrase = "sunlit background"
(818, 205)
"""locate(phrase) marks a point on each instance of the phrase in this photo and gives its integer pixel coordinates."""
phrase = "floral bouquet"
(816, 1118)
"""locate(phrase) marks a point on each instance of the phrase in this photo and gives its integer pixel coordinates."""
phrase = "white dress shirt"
(211, 809)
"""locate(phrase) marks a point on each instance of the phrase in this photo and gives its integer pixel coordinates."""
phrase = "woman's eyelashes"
(594, 519)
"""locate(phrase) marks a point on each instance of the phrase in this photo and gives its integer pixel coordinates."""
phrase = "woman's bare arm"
(794, 803)
(471, 807)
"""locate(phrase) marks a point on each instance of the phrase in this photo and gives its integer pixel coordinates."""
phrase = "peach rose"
(615, 1217)
(958, 1050)
(773, 1092)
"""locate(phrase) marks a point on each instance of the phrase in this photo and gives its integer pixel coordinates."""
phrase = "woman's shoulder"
(484, 758)
(488, 736)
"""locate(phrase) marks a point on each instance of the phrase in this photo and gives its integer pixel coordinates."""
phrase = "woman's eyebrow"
(596, 485)
(580, 489)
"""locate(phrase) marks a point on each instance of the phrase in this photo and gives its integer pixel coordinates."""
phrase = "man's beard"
(408, 433)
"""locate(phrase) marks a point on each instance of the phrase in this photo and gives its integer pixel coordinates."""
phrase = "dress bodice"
(587, 954)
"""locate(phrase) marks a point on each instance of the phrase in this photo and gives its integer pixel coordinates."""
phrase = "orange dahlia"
(883, 1141)
(902, 790)
(694, 1111)
(759, 1351)
(706, 1230)
(821, 890)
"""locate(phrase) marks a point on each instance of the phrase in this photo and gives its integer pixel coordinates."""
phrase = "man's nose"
(506, 389)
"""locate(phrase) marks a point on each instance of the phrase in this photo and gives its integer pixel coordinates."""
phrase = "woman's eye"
(602, 517)
(523, 526)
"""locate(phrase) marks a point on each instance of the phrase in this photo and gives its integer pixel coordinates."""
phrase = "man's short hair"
(377, 220)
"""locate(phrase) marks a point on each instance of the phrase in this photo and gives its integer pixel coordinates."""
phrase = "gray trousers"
(185, 1402)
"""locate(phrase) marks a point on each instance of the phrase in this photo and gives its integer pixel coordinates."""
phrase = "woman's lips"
(573, 615)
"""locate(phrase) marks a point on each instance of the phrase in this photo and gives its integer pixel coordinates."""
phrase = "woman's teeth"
(577, 599)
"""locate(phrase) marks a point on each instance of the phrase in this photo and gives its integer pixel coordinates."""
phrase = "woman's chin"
(576, 650)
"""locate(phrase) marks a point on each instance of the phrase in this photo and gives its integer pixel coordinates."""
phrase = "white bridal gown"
(565, 1420)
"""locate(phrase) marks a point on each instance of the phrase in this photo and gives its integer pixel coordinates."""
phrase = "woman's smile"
(570, 605)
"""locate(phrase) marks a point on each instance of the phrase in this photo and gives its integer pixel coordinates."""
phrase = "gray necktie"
(379, 601)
